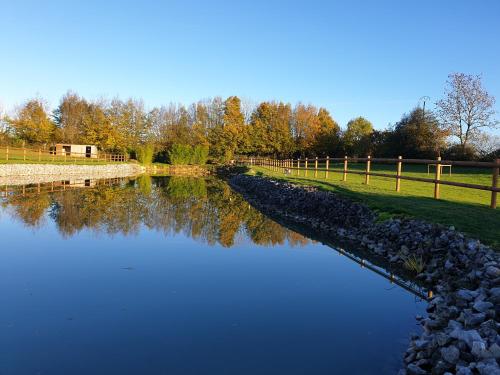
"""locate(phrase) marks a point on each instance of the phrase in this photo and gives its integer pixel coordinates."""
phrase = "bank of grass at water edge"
(465, 209)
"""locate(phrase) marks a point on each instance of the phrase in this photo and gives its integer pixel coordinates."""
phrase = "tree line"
(220, 129)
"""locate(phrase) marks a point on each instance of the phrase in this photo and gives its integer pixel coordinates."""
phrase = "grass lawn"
(466, 209)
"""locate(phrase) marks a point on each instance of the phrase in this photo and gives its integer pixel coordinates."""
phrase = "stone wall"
(16, 174)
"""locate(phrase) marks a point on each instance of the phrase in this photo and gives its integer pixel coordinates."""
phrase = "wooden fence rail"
(8, 153)
(33, 189)
(287, 165)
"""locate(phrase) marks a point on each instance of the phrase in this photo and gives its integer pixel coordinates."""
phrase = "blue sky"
(368, 58)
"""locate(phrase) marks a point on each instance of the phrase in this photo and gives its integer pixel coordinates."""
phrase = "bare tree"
(466, 108)
(486, 144)
(248, 107)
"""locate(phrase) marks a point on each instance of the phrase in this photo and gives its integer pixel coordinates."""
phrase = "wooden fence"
(311, 164)
(8, 153)
(25, 190)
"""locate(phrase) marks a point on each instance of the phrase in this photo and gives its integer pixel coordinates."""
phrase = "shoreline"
(460, 334)
(22, 174)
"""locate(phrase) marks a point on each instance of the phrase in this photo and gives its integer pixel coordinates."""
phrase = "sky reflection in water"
(181, 276)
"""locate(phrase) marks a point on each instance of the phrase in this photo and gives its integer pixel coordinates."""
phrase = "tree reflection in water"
(204, 209)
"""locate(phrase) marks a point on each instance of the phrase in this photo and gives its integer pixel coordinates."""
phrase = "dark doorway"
(88, 151)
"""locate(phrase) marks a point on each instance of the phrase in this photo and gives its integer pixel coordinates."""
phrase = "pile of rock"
(461, 332)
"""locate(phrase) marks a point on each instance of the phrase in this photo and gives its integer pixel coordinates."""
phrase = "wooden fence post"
(24, 154)
(327, 166)
(368, 165)
(305, 174)
(437, 178)
(316, 167)
(494, 184)
(7, 153)
(344, 178)
(398, 174)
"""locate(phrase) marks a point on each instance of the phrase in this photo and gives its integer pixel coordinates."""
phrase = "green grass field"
(466, 209)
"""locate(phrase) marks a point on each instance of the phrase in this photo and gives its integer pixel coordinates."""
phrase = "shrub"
(457, 152)
(145, 154)
(492, 155)
(180, 154)
(185, 154)
(200, 155)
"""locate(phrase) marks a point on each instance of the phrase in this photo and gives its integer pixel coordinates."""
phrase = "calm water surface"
(181, 276)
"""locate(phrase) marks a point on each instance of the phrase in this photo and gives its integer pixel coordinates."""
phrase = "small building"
(83, 151)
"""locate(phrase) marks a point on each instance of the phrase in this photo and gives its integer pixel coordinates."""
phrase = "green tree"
(259, 130)
(270, 129)
(230, 137)
(328, 137)
(418, 135)
(68, 117)
(200, 123)
(130, 122)
(98, 129)
(357, 137)
(32, 123)
(306, 127)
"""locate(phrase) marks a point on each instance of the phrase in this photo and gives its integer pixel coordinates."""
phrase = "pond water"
(166, 275)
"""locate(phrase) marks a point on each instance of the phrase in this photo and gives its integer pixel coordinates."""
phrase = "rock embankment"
(16, 174)
(461, 332)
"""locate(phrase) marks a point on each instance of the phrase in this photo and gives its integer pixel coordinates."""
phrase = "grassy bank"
(466, 209)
